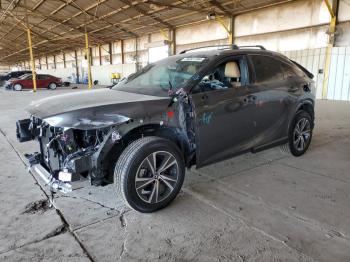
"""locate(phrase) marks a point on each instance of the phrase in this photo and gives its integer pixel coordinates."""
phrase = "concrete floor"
(264, 207)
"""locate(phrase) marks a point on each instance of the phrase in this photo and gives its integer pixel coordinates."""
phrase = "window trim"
(231, 57)
(272, 57)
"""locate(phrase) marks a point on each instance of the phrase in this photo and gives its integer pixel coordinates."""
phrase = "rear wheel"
(17, 87)
(149, 173)
(52, 86)
(300, 133)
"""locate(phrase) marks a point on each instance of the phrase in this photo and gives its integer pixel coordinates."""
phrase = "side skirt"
(275, 143)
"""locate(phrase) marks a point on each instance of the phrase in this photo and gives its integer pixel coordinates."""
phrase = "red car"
(26, 82)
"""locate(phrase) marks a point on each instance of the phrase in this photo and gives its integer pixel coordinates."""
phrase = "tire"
(52, 86)
(17, 87)
(300, 133)
(153, 190)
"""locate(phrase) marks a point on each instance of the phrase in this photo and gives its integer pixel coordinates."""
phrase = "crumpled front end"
(68, 157)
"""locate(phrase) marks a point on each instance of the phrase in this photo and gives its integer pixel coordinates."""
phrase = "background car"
(13, 74)
(26, 82)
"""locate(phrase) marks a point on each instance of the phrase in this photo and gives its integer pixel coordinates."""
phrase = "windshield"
(159, 78)
(24, 76)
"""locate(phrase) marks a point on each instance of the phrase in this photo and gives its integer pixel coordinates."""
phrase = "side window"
(230, 74)
(42, 77)
(267, 69)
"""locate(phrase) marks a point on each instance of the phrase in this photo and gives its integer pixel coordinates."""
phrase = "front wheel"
(52, 86)
(149, 173)
(17, 87)
(300, 133)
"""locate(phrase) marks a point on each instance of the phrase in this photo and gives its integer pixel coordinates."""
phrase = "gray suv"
(195, 108)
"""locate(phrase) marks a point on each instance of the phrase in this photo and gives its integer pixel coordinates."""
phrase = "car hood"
(96, 109)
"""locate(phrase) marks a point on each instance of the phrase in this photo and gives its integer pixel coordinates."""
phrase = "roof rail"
(219, 47)
(224, 47)
(252, 46)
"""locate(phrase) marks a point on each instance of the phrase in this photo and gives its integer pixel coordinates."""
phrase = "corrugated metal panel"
(339, 80)
(313, 60)
(339, 71)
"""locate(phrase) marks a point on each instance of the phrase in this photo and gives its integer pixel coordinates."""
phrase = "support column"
(76, 65)
(173, 41)
(333, 11)
(99, 54)
(87, 52)
(64, 60)
(232, 32)
(31, 58)
(122, 50)
(54, 62)
(110, 53)
(228, 29)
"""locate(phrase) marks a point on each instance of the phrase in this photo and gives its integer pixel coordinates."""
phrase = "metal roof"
(59, 25)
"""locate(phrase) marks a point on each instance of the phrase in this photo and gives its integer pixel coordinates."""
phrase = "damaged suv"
(195, 108)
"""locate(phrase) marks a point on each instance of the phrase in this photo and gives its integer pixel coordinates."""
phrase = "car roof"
(227, 52)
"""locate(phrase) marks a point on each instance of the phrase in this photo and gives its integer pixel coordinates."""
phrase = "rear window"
(267, 69)
(42, 77)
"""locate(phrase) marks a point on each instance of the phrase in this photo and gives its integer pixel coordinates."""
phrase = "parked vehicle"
(26, 82)
(13, 74)
(195, 108)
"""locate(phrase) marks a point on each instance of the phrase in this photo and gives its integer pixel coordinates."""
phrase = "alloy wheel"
(302, 134)
(156, 177)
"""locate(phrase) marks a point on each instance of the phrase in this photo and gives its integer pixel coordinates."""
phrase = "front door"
(224, 104)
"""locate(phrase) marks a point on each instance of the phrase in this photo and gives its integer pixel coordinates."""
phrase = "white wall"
(103, 73)
(64, 73)
(296, 25)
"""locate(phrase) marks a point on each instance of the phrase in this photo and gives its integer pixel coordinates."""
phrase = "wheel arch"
(309, 107)
(171, 133)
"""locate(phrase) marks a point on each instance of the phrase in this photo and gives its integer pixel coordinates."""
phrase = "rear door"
(223, 112)
(27, 82)
(275, 97)
(41, 81)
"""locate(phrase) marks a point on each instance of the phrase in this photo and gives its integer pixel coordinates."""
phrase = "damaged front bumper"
(56, 184)
(63, 163)
(65, 183)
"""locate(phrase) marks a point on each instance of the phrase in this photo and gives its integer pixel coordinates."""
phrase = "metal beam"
(182, 7)
(216, 4)
(143, 12)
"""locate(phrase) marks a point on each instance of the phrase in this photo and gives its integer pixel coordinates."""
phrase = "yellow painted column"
(228, 29)
(330, 45)
(32, 62)
(87, 53)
